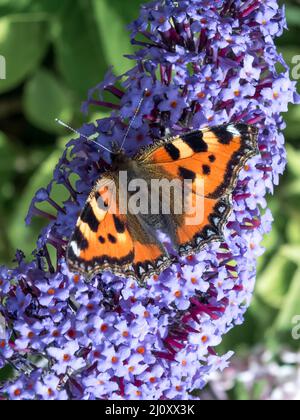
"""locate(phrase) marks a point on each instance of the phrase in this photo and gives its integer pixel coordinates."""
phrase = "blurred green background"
(55, 51)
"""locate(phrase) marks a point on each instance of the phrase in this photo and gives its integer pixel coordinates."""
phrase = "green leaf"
(293, 15)
(291, 252)
(241, 392)
(274, 282)
(113, 17)
(6, 159)
(293, 160)
(22, 236)
(290, 306)
(23, 43)
(8, 6)
(292, 230)
(46, 98)
(78, 47)
(293, 188)
(6, 373)
(270, 243)
(292, 119)
(49, 6)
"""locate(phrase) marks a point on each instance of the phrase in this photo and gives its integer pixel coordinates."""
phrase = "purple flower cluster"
(203, 63)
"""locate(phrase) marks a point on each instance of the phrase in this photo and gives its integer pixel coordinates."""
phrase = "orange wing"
(104, 241)
(108, 240)
(101, 240)
(213, 156)
(150, 258)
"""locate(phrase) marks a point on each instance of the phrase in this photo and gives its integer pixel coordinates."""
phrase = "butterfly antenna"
(134, 117)
(63, 124)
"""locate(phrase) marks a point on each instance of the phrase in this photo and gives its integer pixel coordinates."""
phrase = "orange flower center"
(104, 328)
(76, 278)
(51, 292)
(17, 392)
(67, 357)
(178, 294)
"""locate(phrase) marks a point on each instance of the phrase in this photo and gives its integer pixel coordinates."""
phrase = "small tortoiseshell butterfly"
(128, 244)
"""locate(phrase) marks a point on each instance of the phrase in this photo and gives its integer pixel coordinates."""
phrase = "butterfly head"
(118, 156)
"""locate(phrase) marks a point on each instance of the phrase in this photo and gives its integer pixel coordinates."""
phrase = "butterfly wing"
(101, 240)
(106, 240)
(213, 156)
(150, 257)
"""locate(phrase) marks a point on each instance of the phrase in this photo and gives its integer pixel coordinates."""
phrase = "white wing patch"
(233, 130)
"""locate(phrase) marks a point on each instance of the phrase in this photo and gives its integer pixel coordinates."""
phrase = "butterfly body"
(120, 232)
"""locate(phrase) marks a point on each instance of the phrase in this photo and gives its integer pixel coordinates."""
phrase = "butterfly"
(129, 244)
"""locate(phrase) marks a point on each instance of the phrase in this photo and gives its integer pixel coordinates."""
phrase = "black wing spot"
(80, 240)
(102, 240)
(186, 174)
(71, 255)
(119, 225)
(88, 216)
(195, 142)
(112, 239)
(172, 151)
(206, 170)
(223, 135)
(212, 158)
